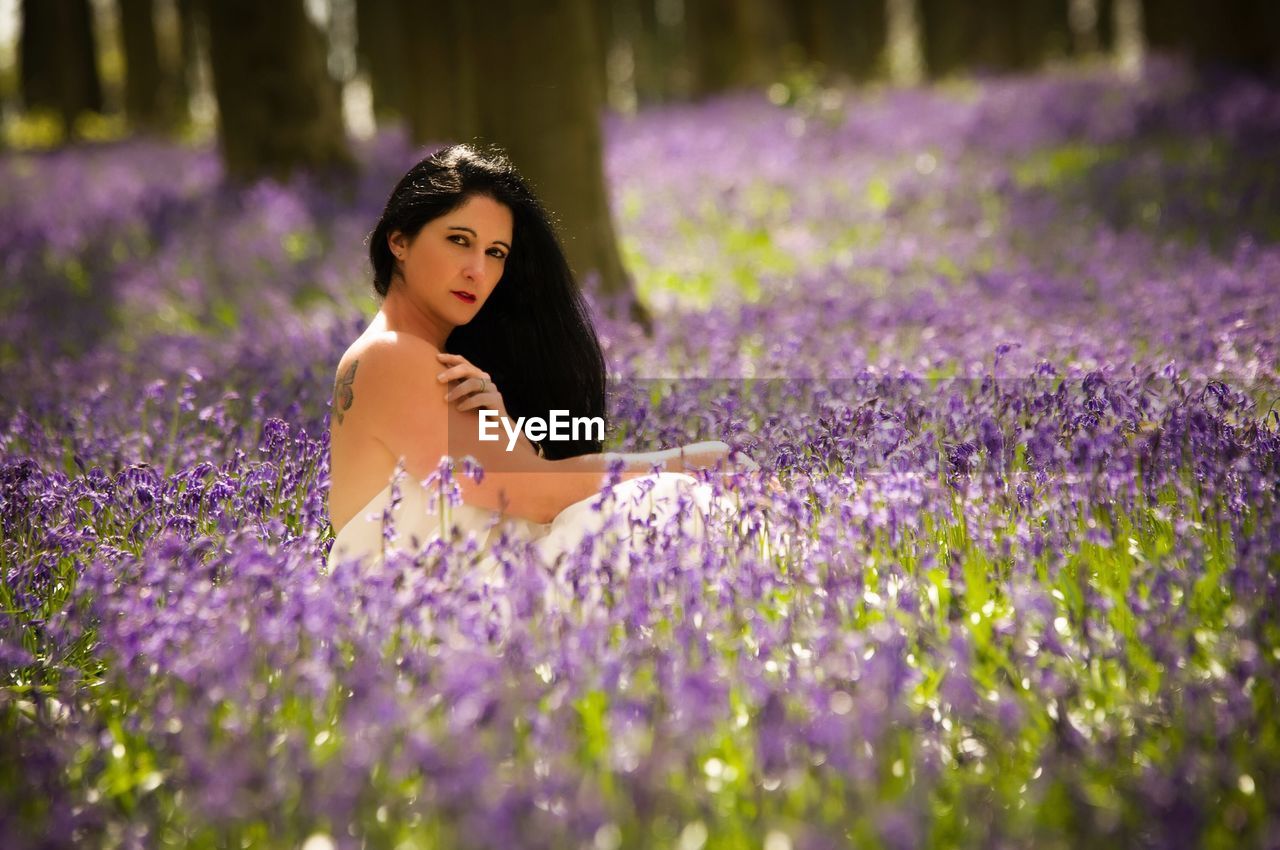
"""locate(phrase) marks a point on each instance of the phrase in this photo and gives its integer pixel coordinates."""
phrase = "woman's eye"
(462, 240)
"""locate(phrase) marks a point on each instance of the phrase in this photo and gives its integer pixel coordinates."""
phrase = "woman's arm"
(407, 412)
(539, 489)
(472, 388)
(680, 459)
(703, 455)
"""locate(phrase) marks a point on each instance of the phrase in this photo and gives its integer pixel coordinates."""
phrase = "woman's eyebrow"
(473, 234)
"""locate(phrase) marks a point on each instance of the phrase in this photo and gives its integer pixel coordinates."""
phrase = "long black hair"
(534, 334)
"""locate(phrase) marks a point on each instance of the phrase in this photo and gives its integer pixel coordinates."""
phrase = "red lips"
(464, 297)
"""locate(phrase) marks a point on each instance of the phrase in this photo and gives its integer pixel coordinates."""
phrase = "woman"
(480, 312)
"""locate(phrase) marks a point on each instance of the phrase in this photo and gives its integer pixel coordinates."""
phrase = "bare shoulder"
(395, 345)
(375, 354)
(377, 369)
(393, 357)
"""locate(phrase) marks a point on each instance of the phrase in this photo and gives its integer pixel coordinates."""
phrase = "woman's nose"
(474, 266)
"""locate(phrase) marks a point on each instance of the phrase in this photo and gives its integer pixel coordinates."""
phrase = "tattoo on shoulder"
(342, 392)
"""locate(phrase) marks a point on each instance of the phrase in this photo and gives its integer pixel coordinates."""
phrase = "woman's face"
(451, 267)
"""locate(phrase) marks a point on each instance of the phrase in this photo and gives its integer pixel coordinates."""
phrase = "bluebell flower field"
(1007, 352)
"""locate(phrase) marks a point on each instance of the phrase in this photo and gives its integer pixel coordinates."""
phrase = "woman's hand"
(708, 454)
(472, 388)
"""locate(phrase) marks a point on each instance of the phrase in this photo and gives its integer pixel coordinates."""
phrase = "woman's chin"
(468, 312)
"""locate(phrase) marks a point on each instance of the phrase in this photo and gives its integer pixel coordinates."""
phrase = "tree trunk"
(714, 42)
(847, 39)
(659, 59)
(41, 70)
(380, 50)
(1241, 34)
(543, 102)
(278, 109)
(735, 43)
(1106, 26)
(999, 35)
(441, 97)
(59, 60)
(947, 35)
(186, 73)
(866, 23)
(145, 99)
(1043, 32)
(1167, 24)
(609, 29)
(767, 32)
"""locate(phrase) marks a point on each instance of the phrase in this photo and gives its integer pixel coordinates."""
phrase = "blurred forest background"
(285, 85)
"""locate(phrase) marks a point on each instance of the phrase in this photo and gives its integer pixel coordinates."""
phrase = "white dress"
(418, 518)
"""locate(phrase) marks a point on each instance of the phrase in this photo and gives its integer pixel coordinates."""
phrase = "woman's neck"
(400, 315)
